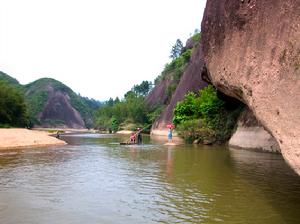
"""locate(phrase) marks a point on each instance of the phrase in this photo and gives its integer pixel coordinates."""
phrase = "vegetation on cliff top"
(180, 56)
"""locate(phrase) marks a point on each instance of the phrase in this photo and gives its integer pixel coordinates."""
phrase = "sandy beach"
(18, 138)
(124, 132)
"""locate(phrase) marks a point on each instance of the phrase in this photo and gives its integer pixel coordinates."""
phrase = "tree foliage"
(127, 113)
(176, 49)
(142, 89)
(112, 115)
(13, 111)
(114, 112)
(204, 116)
(174, 71)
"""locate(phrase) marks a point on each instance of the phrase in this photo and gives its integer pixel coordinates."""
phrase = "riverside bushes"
(127, 113)
(13, 110)
(204, 117)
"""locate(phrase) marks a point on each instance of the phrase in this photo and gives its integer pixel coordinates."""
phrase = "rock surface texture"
(158, 95)
(58, 107)
(250, 134)
(191, 81)
(251, 51)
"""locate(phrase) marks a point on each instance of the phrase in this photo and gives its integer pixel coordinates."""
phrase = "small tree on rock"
(176, 49)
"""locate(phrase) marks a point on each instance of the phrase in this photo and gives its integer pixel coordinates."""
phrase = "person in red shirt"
(132, 137)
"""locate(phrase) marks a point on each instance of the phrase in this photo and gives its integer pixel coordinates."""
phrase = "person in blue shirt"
(170, 135)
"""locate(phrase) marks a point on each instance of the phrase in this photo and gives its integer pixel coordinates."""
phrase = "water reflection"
(96, 180)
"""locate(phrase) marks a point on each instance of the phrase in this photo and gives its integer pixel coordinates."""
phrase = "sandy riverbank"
(66, 130)
(124, 132)
(18, 138)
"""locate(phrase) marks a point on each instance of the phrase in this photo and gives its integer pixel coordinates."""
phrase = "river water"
(95, 180)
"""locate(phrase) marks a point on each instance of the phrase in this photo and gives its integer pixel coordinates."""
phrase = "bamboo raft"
(127, 143)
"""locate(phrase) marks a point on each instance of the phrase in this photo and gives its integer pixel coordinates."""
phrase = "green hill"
(8, 79)
(50, 103)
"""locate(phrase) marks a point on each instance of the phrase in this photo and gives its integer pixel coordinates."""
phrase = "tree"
(142, 89)
(129, 95)
(176, 49)
(13, 110)
(110, 102)
(117, 100)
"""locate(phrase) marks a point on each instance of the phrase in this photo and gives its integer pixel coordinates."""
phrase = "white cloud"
(98, 48)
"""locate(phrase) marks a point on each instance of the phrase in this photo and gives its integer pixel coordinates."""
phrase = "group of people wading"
(136, 137)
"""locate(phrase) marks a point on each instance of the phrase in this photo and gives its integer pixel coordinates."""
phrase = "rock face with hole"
(251, 52)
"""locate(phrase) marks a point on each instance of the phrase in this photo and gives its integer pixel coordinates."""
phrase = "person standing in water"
(170, 135)
(139, 136)
(132, 138)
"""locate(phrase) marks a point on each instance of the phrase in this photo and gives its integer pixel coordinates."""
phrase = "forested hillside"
(49, 103)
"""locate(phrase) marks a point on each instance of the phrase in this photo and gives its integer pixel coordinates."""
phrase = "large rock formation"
(252, 52)
(59, 108)
(250, 134)
(190, 81)
(158, 95)
(53, 104)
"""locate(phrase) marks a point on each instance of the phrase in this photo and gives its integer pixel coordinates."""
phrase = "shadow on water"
(274, 179)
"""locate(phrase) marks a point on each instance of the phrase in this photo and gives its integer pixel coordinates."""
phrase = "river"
(95, 180)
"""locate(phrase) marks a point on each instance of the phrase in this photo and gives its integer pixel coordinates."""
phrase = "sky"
(98, 48)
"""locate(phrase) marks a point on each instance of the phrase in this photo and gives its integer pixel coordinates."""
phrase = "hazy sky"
(98, 48)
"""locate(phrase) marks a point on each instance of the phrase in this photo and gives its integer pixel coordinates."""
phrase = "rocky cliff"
(250, 134)
(190, 81)
(58, 108)
(251, 52)
(158, 95)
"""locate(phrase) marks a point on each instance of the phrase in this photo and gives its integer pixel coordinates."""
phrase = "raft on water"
(127, 143)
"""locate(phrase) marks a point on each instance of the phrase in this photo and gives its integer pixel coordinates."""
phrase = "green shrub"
(188, 129)
(208, 102)
(154, 113)
(170, 90)
(197, 37)
(187, 55)
(186, 109)
(203, 116)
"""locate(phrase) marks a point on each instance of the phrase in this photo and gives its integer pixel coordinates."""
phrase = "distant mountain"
(8, 79)
(52, 104)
